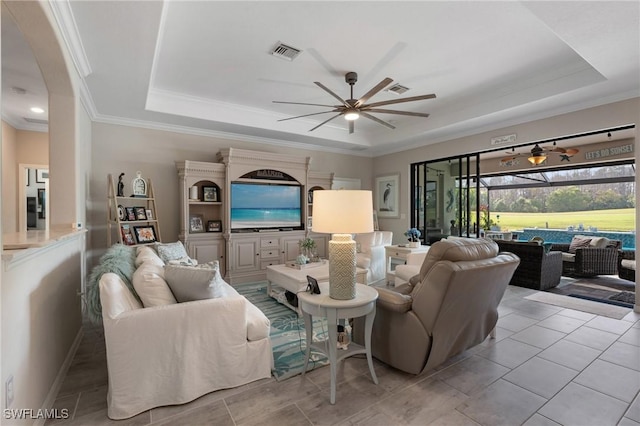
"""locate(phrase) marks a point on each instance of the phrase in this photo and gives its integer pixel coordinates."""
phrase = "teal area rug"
(288, 337)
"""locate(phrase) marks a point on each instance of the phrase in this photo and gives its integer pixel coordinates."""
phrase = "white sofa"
(173, 353)
(410, 268)
(371, 254)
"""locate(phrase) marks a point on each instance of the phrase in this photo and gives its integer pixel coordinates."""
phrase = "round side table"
(364, 304)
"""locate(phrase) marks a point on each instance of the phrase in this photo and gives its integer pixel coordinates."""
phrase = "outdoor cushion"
(579, 242)
(628, 263)
(598, 242)
(568, 257)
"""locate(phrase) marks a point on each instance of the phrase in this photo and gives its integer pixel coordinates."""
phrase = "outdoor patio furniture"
(627, 265)
(599, 258)
(538, 269)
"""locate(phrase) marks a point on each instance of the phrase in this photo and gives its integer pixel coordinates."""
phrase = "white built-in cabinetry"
(244, 256)
(200, 215)
(317, 181)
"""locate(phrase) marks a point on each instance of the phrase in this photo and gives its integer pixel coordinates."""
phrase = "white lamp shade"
(342, 212)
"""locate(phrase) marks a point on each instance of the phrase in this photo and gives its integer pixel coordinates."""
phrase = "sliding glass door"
(444, 198)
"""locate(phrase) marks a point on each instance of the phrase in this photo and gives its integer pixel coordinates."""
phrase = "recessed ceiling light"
(37, 110)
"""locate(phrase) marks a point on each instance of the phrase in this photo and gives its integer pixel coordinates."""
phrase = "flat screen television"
(259, 206)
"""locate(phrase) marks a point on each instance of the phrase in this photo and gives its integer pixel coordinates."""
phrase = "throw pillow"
(578, 242)
(148, 280)
(147, 254)
(171, 251)
(194, 283)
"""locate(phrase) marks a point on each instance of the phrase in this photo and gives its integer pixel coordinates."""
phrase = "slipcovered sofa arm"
(393, 301)
(193, 324)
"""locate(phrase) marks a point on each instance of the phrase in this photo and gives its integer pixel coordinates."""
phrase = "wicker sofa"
(600, 258)
(627, 265)
(538, 269)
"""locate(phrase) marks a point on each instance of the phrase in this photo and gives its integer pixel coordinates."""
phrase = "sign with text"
(609, 152)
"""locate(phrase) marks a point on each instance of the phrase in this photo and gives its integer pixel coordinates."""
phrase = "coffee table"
(295, 280)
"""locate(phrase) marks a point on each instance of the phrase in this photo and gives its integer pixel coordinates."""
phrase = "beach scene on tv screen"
(265, 206)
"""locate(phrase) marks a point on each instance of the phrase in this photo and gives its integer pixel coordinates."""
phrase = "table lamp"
(342, 213)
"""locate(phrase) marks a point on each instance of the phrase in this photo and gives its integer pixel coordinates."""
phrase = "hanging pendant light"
(537, 156)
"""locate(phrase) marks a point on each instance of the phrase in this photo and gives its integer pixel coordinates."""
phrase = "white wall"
(117, 149)
(41, 318)
(9, 179)
(40, 307)
(611, 115)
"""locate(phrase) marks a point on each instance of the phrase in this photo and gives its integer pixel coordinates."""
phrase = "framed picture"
(149, 213)
(209, 193)
(131, 213)
(214, 226)
(309, 223)
(145, 234)
(387, 192)
(310, 197)
(127, 236)
(141, 214)
(28, 176)
(42, 175)
(196, 223)
(122, 213)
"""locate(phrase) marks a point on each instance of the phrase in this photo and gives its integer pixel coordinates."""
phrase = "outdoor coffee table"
(295, 280)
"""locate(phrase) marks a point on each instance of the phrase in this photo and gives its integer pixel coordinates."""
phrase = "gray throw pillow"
(578, 242)
(188, 283)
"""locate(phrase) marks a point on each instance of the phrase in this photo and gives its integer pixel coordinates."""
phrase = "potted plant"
(413, 235)
(308, 248)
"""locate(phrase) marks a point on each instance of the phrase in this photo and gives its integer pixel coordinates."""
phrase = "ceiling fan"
(538, 154)
(352, 108)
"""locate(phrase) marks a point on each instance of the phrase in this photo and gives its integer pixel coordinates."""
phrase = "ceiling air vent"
(398, 89)
(285, 52)
(35, 120)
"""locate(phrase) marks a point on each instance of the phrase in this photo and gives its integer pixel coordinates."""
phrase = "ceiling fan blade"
(377, 120)
(351, 126)
(325, 122)
(399, 101)
(364, 98)
(304, 103)
(572, 151)
(306, 115)
(390, 111)
(326, 89)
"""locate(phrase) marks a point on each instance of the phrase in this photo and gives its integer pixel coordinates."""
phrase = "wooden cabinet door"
(289, 249)
(246, 255)
(209, 251)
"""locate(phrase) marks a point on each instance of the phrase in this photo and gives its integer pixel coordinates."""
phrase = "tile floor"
(547, 366)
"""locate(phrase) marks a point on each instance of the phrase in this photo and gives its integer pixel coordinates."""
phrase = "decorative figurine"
(120, 185)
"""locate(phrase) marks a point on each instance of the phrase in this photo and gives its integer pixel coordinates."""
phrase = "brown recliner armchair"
(452, 305)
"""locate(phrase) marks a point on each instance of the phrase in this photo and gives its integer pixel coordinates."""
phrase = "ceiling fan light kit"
(538, 154)
(352, 109)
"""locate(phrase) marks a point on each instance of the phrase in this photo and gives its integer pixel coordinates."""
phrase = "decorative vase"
(414, 244)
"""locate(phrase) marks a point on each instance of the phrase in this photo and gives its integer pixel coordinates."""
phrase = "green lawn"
(604, 220)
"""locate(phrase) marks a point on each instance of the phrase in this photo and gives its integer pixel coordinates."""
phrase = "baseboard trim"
(62, 373)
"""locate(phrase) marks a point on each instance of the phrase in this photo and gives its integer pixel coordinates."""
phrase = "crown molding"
(153, 125)
(66, 22)
(31, 127)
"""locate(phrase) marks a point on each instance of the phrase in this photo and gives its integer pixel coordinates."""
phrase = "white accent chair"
(371, 254)
(410, 268)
